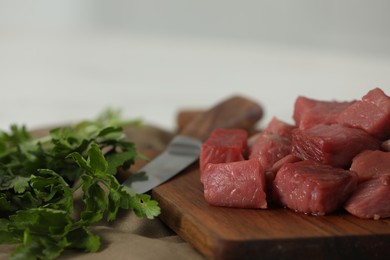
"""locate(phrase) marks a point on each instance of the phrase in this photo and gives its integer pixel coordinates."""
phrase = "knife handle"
(234, 112)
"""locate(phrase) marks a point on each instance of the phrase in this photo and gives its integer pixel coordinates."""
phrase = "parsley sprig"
(39, 179)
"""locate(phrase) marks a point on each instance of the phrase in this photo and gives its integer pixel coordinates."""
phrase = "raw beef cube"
(270, 173)
(269, 148)
(331, 144)
(287, 159)
(370, 164)
(310, 112)
(276, 126)
(372, 114)
(377, 97)
(371, 199)
(237, 184)
(223, 145)
(310, 187)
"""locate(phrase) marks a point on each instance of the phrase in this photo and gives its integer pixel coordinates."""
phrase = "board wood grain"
(275, 233)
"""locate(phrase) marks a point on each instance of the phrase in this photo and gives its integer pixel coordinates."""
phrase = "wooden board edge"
(186, 227)
(212, 247)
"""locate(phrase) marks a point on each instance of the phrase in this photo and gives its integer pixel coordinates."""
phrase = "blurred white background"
(66, 60)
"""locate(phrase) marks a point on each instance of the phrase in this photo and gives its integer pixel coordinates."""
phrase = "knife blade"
(184, 149)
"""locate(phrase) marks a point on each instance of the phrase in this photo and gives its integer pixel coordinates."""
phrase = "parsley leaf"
(144, 206)
(39, 178)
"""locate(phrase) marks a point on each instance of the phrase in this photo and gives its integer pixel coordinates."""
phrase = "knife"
(184, 149)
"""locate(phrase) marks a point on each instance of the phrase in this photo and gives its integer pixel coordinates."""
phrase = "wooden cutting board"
(230, 233)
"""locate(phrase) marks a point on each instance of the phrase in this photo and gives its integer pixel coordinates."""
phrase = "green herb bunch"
(39, 179)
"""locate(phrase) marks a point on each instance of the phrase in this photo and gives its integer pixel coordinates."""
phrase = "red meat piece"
(310, 187)
(276, 126)
(237, 184)
(331, 144)
(370, 164)
(372, 114)
(310, 112)
(371, 199)
(223, 145)
(268, 148)
(270, 173)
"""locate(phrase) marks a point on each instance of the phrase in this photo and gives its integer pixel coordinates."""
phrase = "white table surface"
(47, 79)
